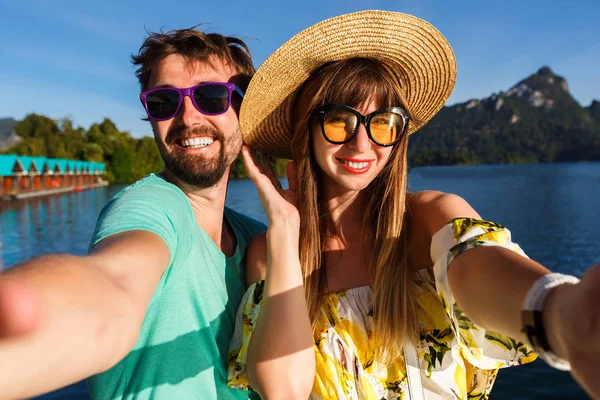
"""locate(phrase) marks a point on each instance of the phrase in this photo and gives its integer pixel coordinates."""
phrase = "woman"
(350, 292)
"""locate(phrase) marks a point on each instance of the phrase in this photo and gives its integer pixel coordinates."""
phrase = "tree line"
(126, 159)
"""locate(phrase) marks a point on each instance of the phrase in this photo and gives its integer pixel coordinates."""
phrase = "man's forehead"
(175, 70)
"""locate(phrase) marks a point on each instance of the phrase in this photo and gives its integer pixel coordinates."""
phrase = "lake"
(552, 210)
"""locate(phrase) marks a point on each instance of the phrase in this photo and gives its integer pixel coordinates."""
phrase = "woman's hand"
(572, 317)
(280, 205)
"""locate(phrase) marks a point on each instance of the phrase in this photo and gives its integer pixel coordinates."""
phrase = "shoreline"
(47, 192)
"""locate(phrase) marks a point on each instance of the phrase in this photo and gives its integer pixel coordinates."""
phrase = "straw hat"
(415, 49)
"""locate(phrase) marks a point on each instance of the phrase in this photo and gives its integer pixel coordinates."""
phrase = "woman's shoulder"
(431, 210)
(433, 199)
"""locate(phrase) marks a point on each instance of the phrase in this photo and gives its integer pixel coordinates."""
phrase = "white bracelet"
(533, 305)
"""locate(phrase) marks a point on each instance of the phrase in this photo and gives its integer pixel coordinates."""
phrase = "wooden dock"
(46, 192)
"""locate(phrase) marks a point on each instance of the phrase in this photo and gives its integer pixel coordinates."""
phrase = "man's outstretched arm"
(64, 318)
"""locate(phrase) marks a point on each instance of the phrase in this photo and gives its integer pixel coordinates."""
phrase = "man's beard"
(196, 169)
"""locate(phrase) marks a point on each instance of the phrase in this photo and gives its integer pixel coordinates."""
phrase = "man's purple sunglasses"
(210, 98)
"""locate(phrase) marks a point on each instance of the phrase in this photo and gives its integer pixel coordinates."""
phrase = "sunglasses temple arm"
(238, 91)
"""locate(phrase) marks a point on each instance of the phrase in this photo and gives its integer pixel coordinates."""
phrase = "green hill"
(537, 120)
(594, 110)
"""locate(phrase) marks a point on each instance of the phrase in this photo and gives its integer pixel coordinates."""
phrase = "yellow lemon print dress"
(458, 359)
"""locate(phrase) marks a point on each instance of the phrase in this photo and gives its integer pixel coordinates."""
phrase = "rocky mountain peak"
(7, 135)
(542, 89)
(546, 71)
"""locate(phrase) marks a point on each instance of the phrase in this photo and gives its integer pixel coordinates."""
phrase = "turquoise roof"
(9, 161)
(98, 167)
(39, 163)
(26, 162)
(72, 164)
(7, 164)
(56, 163)
(62, 164)
(51, 163)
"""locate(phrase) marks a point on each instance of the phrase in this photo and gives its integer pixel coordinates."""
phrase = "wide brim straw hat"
(414, 48)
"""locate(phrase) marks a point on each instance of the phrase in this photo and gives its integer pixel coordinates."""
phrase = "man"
(149, 312)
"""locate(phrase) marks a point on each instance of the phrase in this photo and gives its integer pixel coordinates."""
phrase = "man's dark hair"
(194, 45)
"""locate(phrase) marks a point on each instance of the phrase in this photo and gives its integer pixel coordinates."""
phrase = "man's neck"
(208, 205)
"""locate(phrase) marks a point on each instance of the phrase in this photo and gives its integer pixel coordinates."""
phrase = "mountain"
(8, 137)
(536, 120)
(594, 110)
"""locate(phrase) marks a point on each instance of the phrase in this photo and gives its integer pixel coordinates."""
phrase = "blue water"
(552, 210)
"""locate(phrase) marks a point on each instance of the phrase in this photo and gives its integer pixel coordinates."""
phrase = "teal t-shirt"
(181, 352)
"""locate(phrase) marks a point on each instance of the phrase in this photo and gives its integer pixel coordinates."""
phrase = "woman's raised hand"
(280, 205)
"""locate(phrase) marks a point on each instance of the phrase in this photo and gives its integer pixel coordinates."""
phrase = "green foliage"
(279, 166)
(126, 159)
(93, 152)
(122, 164)
(238, 170)
(147, 158)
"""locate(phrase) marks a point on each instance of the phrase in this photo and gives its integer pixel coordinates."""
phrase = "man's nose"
(188, 113)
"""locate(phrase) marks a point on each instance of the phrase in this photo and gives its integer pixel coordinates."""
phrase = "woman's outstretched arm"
(490, 285)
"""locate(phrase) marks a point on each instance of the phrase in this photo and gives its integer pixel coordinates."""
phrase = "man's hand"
(573, 328)
(19, 307)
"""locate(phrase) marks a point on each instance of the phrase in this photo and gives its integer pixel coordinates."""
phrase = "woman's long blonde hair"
(355, 82)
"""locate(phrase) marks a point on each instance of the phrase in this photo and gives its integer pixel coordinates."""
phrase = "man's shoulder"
(150, 197)
(150, 204)
(150, 184)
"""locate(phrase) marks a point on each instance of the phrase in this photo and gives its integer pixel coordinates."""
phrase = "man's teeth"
(197, 142)
(356, 165)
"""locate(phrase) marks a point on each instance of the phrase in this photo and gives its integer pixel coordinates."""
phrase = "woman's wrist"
(283, 219)
(544, 312)
(282, 251)
(283, 230)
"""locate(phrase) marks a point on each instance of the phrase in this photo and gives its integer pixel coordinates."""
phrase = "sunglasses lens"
(162, 104)
(212, 99)
(339, 125)
(386, 128)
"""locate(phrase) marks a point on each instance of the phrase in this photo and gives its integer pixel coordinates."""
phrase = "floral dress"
(458, 359)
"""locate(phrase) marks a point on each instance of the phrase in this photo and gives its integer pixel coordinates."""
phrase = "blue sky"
(67, 58)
